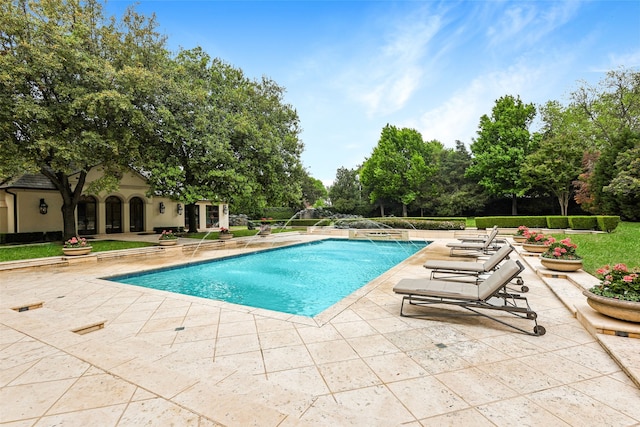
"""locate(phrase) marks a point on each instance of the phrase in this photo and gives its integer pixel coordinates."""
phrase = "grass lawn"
(620, 246)
(240, 232)
(43, 250)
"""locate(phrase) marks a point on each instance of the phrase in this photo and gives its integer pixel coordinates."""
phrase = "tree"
(399, 167)
(455, 194)
(346, 192)
(75, 92)
(313, 191)
(224, 137)
(557, 161)
(615, 175)
(501, 147)
(191, 159)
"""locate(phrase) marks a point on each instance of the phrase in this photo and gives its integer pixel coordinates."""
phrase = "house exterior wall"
(132, 185)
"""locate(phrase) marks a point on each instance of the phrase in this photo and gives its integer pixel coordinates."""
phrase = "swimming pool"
(303, 279)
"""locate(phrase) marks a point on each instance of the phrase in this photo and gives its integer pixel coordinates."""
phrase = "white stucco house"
(31, 203)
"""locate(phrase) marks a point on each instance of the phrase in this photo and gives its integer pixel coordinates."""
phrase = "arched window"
(113, 215)
(87, 215)
(136, 214)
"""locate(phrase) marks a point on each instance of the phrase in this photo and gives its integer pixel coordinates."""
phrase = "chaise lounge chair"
(490, 294)
(490, 245)
(477, 238)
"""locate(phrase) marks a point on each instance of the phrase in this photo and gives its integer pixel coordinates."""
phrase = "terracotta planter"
(618, 309)
(519, 239)
(561, 264)
(171, 242)
(83, 250)
(535, 248)
(225, 236)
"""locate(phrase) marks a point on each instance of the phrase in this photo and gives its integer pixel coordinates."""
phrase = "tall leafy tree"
(556, 162)
(223, 137)
(313, 191)
(502, 145)
(455, 194)
(346, 192)
(399, 167)
(75, 92)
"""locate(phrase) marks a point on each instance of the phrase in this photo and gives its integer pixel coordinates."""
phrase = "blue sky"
(351, 67)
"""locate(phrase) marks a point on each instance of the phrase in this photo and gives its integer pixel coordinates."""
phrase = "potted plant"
(167, 238)
(561, 256)
(76, 246)
(536, 241)
(520, 237)
(225, 234)
(618, 294)
(265, 228)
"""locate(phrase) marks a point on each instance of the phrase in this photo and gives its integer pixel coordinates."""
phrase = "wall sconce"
(179, 209)
(225, 209)
(43, 207)
(161, 207)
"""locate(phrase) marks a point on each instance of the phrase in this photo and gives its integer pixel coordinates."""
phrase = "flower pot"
(531, 247)
(519, 239)
(82, 250)
(171, 242)
(225, 236)
(561, 264)
(612, 307)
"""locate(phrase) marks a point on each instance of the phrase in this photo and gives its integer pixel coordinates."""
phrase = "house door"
(113, 215)
(87, 217)
(136, 214)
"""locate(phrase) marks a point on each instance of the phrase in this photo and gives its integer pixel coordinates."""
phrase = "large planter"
(529, 247)
(519, 239)
(561, 264)
(83, 250)
(618, 309)
(169, 242)
(225, 236)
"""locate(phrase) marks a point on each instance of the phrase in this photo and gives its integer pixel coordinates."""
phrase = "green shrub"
(581, 222)
(420, 224)
(557, 222)
(279, 213)
(511, 221)
(607, 223)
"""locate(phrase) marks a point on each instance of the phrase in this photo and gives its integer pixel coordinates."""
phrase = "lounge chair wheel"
(532, 315)
(524, 289)
(539, 330)
(520, 282)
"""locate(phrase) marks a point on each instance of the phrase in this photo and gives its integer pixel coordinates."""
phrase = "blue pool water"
(303, 279)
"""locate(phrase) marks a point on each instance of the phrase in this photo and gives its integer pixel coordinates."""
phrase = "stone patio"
(169, 359)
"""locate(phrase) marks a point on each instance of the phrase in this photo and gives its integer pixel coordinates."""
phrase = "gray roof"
(31, 182)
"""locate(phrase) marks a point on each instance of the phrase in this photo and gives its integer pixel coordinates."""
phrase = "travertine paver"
(167, 359)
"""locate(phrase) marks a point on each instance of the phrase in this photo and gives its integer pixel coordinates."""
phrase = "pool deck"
(148, 357)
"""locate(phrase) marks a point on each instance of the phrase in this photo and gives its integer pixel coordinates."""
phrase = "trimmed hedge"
(583, 222)
(607, 223)
(411, 223)
(557, 222)
(576, 222)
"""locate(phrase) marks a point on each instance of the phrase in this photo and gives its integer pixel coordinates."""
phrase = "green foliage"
(511, 221)
(580, 222)
(74, 91)
(346, 192)
(453, 193)
(501, 147)
(313, 190)
(557, 222)
(419, 224)
(399, 167)
(607, 223)
(275, 213)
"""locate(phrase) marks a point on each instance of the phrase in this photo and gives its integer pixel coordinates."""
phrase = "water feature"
(302, 279)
